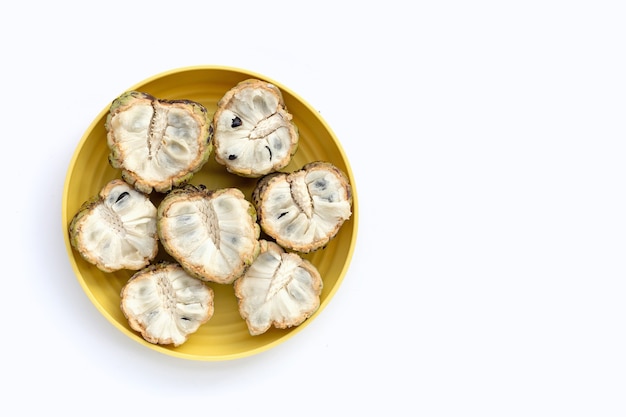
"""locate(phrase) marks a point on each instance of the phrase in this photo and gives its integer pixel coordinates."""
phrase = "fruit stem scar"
(210, 219)
(279, 281)
(301, 197)
(267, 126)
(158, 124)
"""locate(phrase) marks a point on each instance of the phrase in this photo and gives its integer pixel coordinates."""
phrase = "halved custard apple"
(116, 229)
(165, 304)
(305, 209)
(253, 132)
(158, 144)
(280, 289)
(213, 234)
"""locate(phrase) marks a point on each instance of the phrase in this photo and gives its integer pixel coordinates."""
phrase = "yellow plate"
(225, 336)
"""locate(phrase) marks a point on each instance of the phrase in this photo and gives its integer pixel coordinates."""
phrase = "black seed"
(232, 157)
(185, 318)
(321, 184)
(236, 122)
(269, 150)
(282, 214)
(122, 196)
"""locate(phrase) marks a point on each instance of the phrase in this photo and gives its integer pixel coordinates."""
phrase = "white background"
(488, 142)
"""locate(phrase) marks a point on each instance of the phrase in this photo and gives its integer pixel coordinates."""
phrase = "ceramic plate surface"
(225, 335)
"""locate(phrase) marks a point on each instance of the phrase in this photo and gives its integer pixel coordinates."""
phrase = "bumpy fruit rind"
(253, 131)
(305, 209)
(213, 234)
(280, 289)
(165, 304)
(158, 144)
(116, 229)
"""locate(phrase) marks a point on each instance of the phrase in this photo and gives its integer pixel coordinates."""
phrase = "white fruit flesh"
(156, 149)
(165, 304)
(254, 134)
(279, 289)
(305, 209)
(157, 143)
(117, 231)
(213, 235)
